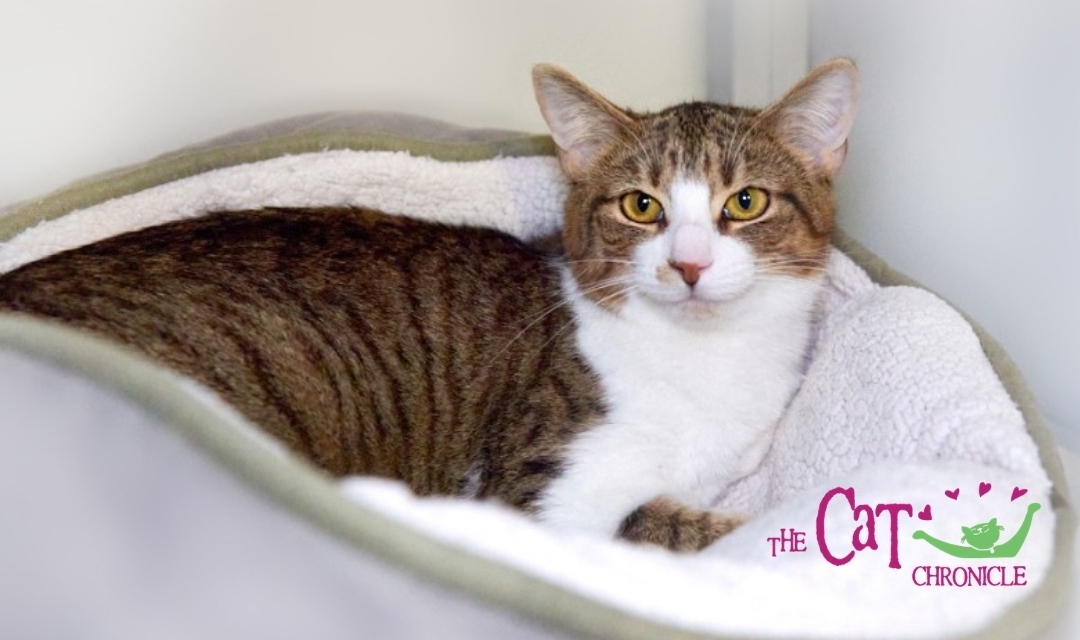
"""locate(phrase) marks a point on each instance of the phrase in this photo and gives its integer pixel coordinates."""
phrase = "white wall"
(89, 86)
(965, 165)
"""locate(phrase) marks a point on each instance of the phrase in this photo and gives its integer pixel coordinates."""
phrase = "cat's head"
(982, 536)
(691, 207)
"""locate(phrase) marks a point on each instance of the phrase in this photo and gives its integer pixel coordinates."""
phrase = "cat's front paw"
(675, 526)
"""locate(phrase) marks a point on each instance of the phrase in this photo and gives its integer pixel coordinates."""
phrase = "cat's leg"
(612, 498)
(665, 522)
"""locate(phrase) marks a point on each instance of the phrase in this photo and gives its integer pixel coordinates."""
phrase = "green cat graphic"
(982, 539)
(982, 536)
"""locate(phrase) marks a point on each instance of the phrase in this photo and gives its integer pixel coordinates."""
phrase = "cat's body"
(405, 371)
(615, 388)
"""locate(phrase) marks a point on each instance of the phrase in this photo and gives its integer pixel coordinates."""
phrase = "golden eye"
(641, 207)
(747, 204)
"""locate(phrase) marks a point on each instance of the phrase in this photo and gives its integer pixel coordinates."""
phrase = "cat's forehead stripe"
(699, 138)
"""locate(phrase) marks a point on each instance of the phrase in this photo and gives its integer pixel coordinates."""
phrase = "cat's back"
(227, 246)
(370, 343)
(282, 260)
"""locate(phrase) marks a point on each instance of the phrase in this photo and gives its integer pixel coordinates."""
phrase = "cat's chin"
(696, 309)
(690, 308)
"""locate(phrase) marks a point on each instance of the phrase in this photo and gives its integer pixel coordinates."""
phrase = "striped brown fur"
(348, 335)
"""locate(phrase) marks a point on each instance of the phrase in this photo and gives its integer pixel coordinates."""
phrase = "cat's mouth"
(691, 303)
(711, 292)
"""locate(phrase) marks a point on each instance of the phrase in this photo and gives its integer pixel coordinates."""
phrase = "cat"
(982, 536)
(614, 387)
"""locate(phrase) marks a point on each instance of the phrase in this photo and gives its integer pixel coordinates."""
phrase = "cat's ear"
(965, 531)
(816, 116)
(582, 122)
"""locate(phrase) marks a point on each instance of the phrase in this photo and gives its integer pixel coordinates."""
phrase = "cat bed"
(139, 504)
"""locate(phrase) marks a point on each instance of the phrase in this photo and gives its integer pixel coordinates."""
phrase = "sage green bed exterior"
(311, 495)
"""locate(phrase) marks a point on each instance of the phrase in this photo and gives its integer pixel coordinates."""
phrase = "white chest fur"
(691, 407)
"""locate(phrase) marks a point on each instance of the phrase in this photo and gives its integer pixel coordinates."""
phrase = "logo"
(877, 524)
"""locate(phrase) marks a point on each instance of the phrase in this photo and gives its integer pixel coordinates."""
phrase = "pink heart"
(925, 513)
(1017, 492)
(983, 488)
(953, 494)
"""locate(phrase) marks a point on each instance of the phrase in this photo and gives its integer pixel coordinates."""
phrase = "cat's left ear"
(815, 117)
(582, 122)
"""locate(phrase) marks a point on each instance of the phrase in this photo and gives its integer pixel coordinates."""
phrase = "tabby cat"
(615, 387)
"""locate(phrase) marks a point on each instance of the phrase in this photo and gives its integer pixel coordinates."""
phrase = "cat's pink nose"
(690, 271)
(691, 252)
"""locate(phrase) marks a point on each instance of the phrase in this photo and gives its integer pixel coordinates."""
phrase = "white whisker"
(580, 293)
(599, 302)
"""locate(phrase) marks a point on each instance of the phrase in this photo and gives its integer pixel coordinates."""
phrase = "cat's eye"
(641, 207)
(747, 204)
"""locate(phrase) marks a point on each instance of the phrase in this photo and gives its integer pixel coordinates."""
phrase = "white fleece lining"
(898, 402)
(503, 194)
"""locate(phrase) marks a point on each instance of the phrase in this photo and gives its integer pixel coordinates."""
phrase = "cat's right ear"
(582, 122)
